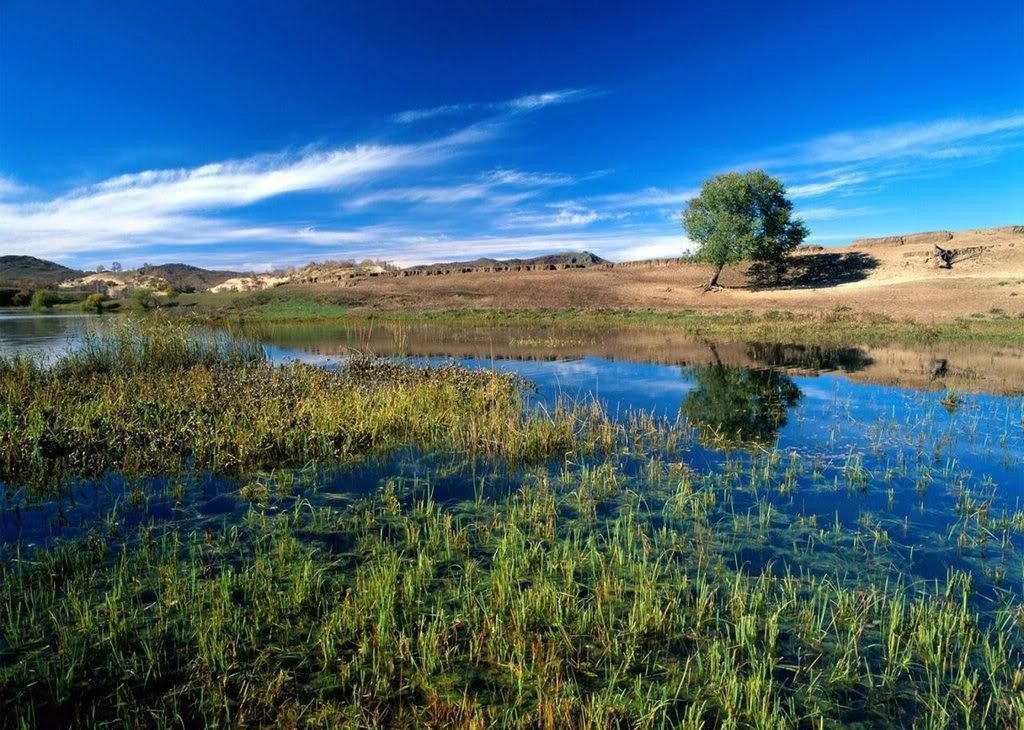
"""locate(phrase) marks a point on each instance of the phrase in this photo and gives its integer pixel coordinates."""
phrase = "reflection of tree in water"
(809, 357)
(738, 407)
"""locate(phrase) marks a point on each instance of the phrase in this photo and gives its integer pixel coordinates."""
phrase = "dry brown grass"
(896, 281)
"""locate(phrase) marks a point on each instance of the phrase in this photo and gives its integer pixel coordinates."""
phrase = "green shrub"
(143, 298)
(94, 303)
(44, 299)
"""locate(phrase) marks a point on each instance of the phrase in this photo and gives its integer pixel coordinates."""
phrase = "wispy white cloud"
(11, 188)
(575, 217)
(829, 213)
(966, 152)
(157, 206)
(548, 98)
(518, 177)
(839, 181)
(646, 198)
(435, 195)
(851, 161)
(487, 187)
(415, 115)
(527, 103)
(905, 140)
(569, 215)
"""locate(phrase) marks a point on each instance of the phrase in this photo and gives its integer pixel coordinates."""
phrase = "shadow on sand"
(812, 271)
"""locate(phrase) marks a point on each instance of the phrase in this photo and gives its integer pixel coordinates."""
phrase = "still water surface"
(858, 441)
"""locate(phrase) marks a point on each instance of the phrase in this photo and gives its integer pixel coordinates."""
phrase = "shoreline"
(836, 327)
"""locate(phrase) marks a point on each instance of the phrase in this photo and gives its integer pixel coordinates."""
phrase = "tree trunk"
(713, 284)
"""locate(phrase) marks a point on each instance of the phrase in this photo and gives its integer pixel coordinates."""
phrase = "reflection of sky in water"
(904, 432)
(39, 335)
(832, 417)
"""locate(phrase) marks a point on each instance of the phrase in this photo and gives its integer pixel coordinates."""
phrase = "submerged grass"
(156, 400)
(525, 612)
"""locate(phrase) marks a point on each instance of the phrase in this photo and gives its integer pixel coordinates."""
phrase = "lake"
(40, 335)
(860, 478)
(875, 417)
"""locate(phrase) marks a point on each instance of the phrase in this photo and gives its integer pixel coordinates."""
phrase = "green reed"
(151, 401)
(528, 611)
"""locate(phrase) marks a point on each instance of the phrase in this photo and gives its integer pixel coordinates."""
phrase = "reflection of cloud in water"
(815, 392)
(281, 356)
(621, 385)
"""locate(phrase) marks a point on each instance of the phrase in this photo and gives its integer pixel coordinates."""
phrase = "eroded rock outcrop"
(932, 237)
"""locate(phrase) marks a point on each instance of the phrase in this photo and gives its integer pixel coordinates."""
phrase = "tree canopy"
(742, 217)
(44, 299)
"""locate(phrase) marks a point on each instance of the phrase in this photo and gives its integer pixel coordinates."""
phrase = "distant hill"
(186, 278)
(17, 269)
(580, 259)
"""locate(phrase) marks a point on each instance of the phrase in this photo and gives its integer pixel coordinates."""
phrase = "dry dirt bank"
(896, 277)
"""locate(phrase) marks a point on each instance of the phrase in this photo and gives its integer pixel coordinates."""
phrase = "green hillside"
(15, 270)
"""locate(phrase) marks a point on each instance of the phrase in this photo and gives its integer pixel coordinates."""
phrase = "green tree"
(739, 407)
(144, 299)
(44, 299)
(93, 303)
(742, 217)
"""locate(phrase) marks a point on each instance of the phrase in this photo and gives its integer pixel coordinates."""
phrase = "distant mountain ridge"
(16, 270)
(35, 273)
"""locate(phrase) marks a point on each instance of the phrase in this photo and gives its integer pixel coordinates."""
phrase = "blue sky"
(258, 136)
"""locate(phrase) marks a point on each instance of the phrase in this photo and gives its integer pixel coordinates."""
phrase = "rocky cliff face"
(928, 237)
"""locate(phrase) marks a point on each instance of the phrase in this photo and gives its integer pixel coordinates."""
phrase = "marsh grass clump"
(951, 401)
(155, 400)
(133, 348)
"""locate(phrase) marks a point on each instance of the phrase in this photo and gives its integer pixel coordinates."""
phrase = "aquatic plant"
(399, 611)
(154, 400)
(594, 574)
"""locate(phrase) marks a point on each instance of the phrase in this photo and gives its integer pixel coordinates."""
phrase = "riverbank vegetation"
(155, 400)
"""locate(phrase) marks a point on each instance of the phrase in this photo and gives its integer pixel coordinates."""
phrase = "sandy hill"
(320, 273)
(186, 278)
(897, 276)
(159, 278)
(16, 270)
(115, 283)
